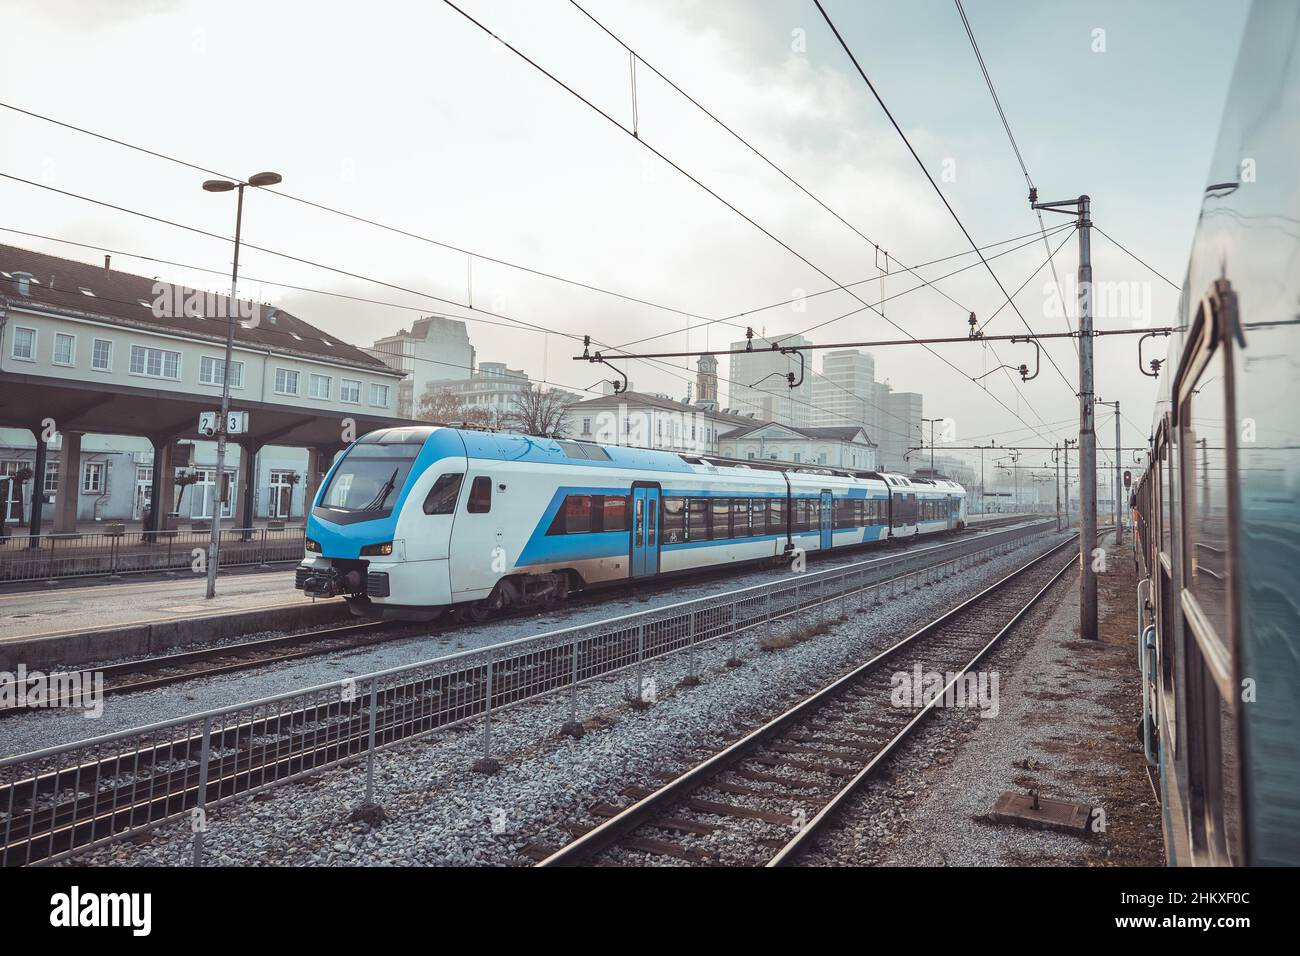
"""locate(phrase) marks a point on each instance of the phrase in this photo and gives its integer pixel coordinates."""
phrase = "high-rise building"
(436, 349)
(759, 382)
(900, 421)
(845, 391)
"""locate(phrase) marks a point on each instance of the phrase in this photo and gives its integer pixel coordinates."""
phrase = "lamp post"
(214, 543)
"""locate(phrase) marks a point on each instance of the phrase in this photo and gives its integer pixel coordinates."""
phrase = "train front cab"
(363, 540)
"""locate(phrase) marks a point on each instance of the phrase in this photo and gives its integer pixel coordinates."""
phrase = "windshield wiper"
(377, 501)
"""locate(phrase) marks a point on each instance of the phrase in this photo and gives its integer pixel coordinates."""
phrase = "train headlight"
(377, 550)
(312, 545)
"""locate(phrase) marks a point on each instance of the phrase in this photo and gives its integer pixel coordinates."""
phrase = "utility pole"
(1082, 208)
(931, 421)
(1056, 468)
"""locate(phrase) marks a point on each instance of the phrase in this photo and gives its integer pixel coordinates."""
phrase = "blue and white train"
(411, 521)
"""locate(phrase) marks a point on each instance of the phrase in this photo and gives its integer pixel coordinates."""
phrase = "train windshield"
(370, 477)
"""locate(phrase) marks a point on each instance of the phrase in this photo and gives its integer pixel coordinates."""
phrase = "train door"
(645, 531)
(827, 518)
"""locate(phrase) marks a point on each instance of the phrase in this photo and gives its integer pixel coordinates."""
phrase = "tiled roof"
(69, 286)
(833, 433)
(642, 398)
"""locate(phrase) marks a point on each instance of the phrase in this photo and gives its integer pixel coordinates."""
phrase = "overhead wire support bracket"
(597, 358)
(1155, 362)
(1023, 368)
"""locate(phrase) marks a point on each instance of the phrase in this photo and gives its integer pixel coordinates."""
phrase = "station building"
(103, 375)
(837, 446)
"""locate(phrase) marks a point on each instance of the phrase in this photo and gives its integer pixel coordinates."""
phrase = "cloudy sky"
(410, 115)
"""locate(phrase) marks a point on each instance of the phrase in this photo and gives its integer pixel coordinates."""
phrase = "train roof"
(510, 446)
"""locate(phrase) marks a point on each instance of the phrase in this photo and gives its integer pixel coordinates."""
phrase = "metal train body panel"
(1218, 509)
(418, 519)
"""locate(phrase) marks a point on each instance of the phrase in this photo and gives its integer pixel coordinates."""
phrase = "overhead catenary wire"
(397, 230)
(793, 181)
(1015, 148)
(613, 121)
(1140, 262)
(939, 192)
(284, 334)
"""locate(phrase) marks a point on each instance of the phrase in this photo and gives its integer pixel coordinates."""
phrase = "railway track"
(765, 798)
(126, 782)
(150, 673)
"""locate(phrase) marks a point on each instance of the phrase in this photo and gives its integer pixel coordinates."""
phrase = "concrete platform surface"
(72, 608)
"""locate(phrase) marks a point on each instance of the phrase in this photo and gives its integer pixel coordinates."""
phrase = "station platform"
(79, 622)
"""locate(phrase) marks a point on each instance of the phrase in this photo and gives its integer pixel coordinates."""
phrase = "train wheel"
(479, 611)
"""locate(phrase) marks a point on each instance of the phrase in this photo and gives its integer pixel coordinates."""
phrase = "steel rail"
(410, 709)
(644, 810)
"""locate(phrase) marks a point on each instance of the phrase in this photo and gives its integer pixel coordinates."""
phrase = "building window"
(92, 478)
(286, 381)
(24, 346)
(319, 386)
(65, 349)
(101, 355)
(350, 391)
(379, 395)
(211, 371)
(50, 485)
(586, 426)
(155, 363)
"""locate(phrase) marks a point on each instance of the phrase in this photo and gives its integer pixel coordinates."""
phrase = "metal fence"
(70, 798)
(46, 556)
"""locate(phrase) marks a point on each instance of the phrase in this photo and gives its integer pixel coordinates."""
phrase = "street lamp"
(225, 186)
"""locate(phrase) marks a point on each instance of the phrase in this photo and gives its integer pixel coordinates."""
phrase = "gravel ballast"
(440, 812)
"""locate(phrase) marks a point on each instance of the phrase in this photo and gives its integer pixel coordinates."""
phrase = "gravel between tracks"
(442, 813)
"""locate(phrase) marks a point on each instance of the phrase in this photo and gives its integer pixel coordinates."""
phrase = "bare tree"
(445, 405)
(539, 411)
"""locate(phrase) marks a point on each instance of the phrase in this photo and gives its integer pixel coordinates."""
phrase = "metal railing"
(41, 557)
(70, 798)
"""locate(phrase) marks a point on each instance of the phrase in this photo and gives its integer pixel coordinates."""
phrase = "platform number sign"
(236, 423)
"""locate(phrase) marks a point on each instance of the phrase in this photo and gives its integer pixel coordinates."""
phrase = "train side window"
(740, 517)
(1205, 494)
(721, 511)
(480, 496)
(776, 516)
(577, 514)
(697, 519)
(674, 520)
(441, 499)
(614, 513)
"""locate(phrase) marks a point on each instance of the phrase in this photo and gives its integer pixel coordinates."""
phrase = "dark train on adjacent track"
(1218, 509)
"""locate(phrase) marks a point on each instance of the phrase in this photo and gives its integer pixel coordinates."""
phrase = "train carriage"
(411, 521)
(1218, 509)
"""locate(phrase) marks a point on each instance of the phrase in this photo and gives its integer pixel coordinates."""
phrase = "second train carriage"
(414, 520)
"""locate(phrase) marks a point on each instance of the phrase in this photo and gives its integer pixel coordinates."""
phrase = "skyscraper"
(845, 391)
(759, 382)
